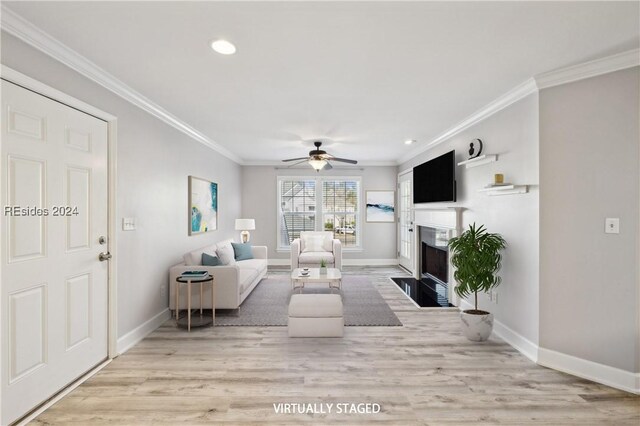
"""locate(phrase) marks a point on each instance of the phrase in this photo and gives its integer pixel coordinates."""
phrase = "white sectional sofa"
(233, 282)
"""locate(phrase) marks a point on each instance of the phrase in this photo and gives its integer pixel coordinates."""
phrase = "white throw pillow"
(225, 253)
(313, 243)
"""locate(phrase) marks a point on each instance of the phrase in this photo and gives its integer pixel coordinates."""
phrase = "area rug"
(268, 303)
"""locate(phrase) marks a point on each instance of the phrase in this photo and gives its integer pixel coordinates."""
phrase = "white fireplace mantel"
(443, 218)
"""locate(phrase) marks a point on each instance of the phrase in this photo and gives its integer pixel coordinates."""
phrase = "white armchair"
(313, 247)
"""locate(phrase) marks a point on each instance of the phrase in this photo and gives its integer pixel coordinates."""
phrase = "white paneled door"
(54, 287)
(405, 221)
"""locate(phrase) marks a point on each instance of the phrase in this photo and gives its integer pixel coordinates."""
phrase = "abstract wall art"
(381, 206)
(203, 205)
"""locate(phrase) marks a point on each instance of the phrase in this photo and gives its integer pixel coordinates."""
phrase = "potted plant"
(323, 267)
(476, 256)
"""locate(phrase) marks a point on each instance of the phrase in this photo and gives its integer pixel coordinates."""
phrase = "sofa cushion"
(257, 265)
(208, 260)
(314, 257)
(225, 252)
(195, 257)
(313, 243)
(327, 242)
(242, 251)
(315, 306)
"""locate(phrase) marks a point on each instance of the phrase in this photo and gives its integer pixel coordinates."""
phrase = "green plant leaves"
(476, 256)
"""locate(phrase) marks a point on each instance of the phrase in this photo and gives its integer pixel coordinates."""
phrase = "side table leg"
(201, 284)
(177, 300)
(213, 304)
(189, 306)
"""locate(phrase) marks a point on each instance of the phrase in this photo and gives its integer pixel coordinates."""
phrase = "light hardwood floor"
(425, 372)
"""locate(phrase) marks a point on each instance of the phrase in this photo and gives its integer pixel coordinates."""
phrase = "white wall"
(512, 134)
(154, 161)
(589, 170)
(260, 201)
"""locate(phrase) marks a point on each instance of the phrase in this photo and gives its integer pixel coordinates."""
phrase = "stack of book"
(194, 275)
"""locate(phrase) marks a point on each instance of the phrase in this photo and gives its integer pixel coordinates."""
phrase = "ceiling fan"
(319, 159)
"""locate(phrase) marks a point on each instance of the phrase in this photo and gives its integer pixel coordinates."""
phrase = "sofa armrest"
(337, 253)
(295, 253)
(259, 252)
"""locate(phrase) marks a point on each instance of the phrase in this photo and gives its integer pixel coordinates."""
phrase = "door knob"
(104, 256)
(410, 230)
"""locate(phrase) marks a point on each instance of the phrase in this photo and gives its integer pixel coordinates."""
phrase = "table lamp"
(245, 225)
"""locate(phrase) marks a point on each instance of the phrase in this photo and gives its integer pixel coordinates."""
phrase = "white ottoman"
(316, 315)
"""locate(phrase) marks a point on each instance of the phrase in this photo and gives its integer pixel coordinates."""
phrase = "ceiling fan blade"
(295, 164)
(295, 159)
(327, 166)
(343, 160)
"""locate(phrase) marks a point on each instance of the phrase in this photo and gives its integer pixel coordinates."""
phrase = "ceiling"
(361, 76)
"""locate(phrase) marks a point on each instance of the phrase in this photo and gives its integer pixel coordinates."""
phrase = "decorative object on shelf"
(245, 225)
(472, 148)
(476, 256)
(498, 179)
(323, 267)
(381, 206)
(203, 205)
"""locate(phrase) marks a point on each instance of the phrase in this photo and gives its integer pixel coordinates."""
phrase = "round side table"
(198, 321)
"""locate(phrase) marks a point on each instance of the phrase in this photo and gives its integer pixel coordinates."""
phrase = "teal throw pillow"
(208, 260)
(242, 251)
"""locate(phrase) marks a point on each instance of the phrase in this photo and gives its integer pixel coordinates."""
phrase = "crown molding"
(19, 27)
(511, 97)
(589, 69)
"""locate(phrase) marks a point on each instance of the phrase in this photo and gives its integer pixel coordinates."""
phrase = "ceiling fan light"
(317, 164)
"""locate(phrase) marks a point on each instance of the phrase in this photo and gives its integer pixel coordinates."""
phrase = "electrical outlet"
(490, 294)
(612, 225)
(495, 297)
(128, 223)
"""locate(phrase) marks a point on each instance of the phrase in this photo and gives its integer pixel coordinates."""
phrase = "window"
(317, 204)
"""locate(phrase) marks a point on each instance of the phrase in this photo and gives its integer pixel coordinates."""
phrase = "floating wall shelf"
(506, 190)
(478, 161)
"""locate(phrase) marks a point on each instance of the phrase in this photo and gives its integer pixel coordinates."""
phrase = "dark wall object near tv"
(475, 148)
(435, 180)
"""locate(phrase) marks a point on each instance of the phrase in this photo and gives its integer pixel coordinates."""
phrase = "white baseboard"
(369, 262)
(345, 262)
(596, 372)
(130, 339)
(600, 373)
(523, 345)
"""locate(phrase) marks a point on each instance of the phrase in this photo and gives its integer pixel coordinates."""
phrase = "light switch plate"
(612, 225)
(128, 224)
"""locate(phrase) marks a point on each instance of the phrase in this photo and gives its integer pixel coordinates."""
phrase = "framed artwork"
(381, 206)
(203, 205)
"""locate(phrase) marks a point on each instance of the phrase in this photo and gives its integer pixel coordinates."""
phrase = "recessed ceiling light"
(223, 47)
(409, 141)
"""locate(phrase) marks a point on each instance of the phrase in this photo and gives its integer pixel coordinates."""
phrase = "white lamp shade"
(245, 224)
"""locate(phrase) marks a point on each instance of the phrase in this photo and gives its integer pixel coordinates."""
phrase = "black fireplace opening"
(431, 290)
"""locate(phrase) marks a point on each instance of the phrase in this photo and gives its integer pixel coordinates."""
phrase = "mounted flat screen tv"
(435, 180)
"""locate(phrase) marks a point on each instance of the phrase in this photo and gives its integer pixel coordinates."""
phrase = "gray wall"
(260, 201)
(512, 134)
(590, 162)
(154, 161)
